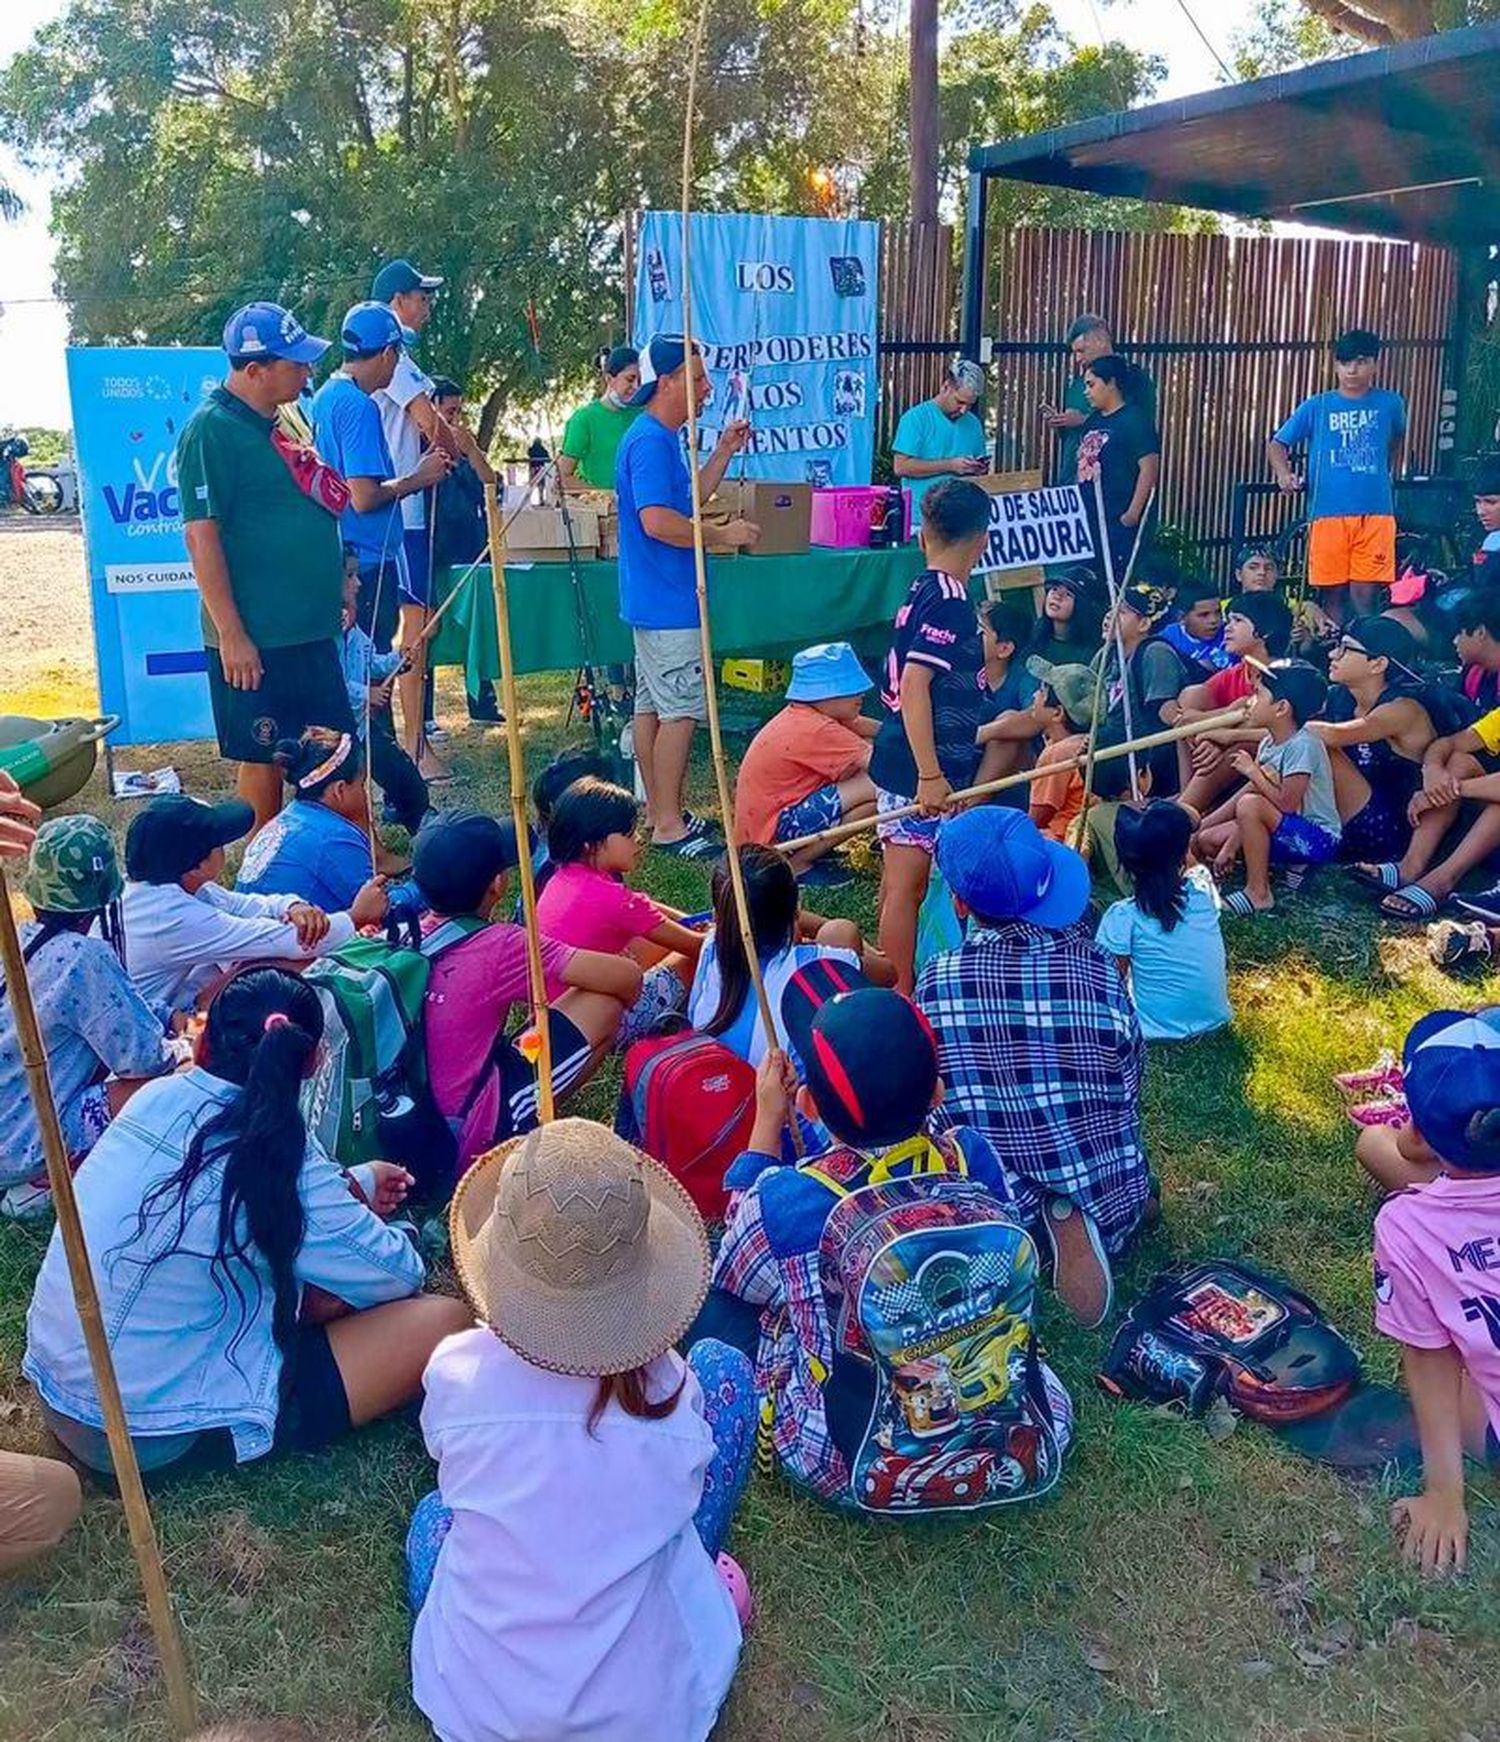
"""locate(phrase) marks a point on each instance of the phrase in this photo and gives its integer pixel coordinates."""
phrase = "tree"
(1339, 25)
(206, 153)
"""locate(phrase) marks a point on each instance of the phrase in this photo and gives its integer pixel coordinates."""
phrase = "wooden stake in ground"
(700, 561)
(546, 1108)
(122, 1452)
(1080, 827)
(1114, 618)
(1220, 722)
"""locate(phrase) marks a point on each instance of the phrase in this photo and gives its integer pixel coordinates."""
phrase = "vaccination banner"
(129, 407)
(1029, 527)
(784, 310)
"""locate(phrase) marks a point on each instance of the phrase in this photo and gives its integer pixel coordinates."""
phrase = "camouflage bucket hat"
(73, 867)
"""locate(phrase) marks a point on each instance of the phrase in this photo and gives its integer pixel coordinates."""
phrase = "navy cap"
(1001, 866)
(370, 328)
(666, 352)
(869, 1056)
(1081, 582)
(175, 832)
(264, 330)
(457, 855)
(399, 276)
(1451, 1064)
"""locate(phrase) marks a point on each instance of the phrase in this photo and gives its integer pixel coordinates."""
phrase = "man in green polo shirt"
(261, 520)
(1089, 337)
(593, 432)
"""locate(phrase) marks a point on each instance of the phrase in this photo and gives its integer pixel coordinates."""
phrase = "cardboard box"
(783, 512)
(609, 536)
(539, 535)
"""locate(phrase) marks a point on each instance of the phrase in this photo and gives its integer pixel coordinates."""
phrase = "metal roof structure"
(1401, 142)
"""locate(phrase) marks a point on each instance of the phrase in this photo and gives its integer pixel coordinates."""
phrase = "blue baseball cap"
(830, 669)
(370, 328)
(265, 330)
(1451, 1063)
(666, 352)
(397, 277)
(1001, 866)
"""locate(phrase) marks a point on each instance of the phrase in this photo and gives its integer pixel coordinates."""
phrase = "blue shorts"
(917, 831)
(819, 810)
(416, 581)
(1296, 841)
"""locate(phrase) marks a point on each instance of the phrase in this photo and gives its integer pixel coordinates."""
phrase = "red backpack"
(689, 1102)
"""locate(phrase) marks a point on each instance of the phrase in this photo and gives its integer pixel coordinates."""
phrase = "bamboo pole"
(546, 1108)
(430, 627)
(1080, 826)
(1114, 620)
(1219, 722)
(143, 1541)
(700, 562)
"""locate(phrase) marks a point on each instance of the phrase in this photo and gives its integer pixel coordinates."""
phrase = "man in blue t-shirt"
(1353, 436)
(347, 433)
(942, 437)
(658, 586)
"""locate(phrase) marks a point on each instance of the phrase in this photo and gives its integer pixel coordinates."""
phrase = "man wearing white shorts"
(658, 589)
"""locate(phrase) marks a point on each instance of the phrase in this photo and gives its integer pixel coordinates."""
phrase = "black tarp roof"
(1401, 141)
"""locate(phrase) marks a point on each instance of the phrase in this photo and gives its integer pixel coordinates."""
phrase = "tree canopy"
(206, 153)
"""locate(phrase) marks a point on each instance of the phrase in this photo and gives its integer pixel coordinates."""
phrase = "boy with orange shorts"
(1353, 436)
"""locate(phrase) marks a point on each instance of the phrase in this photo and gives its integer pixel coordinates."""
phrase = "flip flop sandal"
(1384, 877)
(1390, 1110)
(698, 846)
(1419, 904)
(1242, 907)
(1384, 1073)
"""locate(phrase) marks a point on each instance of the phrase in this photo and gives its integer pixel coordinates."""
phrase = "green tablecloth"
(757, 605)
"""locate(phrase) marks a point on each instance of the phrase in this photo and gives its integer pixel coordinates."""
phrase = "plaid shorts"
(809, 816)
(1296, 841)
(919, 832)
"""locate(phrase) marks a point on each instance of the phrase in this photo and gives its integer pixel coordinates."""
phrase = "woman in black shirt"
(1120, 444)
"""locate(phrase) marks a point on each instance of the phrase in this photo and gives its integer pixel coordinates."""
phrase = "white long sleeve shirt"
(175, 943)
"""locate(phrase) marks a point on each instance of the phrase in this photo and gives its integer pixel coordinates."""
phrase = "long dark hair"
(1085, 631)
(263, 1028)
(587, 811)
(771, 896)
(629, 1391)
(51, 925)
(299, 757)
(1152, 844)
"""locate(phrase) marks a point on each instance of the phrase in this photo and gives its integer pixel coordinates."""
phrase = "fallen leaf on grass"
(1219, 1419)
(1310, 1659)
(1305, 1563)
(1256, 1666)
(1101, 1661)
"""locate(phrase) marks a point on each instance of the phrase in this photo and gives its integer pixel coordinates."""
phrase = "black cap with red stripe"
(869, 1056)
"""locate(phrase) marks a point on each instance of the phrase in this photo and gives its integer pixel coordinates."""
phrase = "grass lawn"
(1172, 1588)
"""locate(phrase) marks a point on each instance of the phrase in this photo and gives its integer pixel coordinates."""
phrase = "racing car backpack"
(1223, 1328)
(929, 1283)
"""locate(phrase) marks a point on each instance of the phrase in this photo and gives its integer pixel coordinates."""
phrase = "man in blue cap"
(658, 587)
(350, 435)
(261, 521)
(409, 413)
(1039, 1045)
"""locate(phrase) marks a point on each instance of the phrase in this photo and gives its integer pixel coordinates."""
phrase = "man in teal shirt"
(941, 438)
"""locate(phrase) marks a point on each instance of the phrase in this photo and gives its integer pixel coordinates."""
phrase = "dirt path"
(47, 647)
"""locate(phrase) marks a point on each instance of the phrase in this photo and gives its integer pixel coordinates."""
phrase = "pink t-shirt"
(469, 998)
(1436, 1248)
(593, 911)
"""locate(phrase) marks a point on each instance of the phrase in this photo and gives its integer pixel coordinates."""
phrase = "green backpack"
(369, 1097)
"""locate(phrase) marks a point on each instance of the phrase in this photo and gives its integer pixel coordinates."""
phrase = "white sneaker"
(26, 1202)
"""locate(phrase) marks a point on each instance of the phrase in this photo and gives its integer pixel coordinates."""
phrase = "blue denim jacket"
(169, 1326)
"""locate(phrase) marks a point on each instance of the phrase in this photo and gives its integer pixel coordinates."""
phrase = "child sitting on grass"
(1257, 630)
(564, 1573)
(1112, 796)
(1432, 1288)
(1166, 937)
(548, 787)
(484, 1085)
(593, 847)
(807, 768)
(872, 1079)
(1286, 814)
(1197, 628)
(1065, 707)
(723, 1002)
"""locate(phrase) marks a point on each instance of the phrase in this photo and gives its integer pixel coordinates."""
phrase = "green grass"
(1173, 1589)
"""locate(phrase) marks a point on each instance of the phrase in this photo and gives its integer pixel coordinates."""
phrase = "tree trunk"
(1378, 22)
(489, 417)
(923, 130)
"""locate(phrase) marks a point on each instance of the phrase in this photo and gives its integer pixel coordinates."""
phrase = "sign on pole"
(784, 313)
(129, 406)
(1030, 528)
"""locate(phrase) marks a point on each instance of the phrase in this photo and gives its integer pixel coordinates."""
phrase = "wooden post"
(546, 1107)
(143, 1541)
(923, 132)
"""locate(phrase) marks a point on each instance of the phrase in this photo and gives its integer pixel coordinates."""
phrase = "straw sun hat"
(581, 1253)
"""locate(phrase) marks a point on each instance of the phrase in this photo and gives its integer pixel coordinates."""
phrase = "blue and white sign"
(129, 407)
(784, 310)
